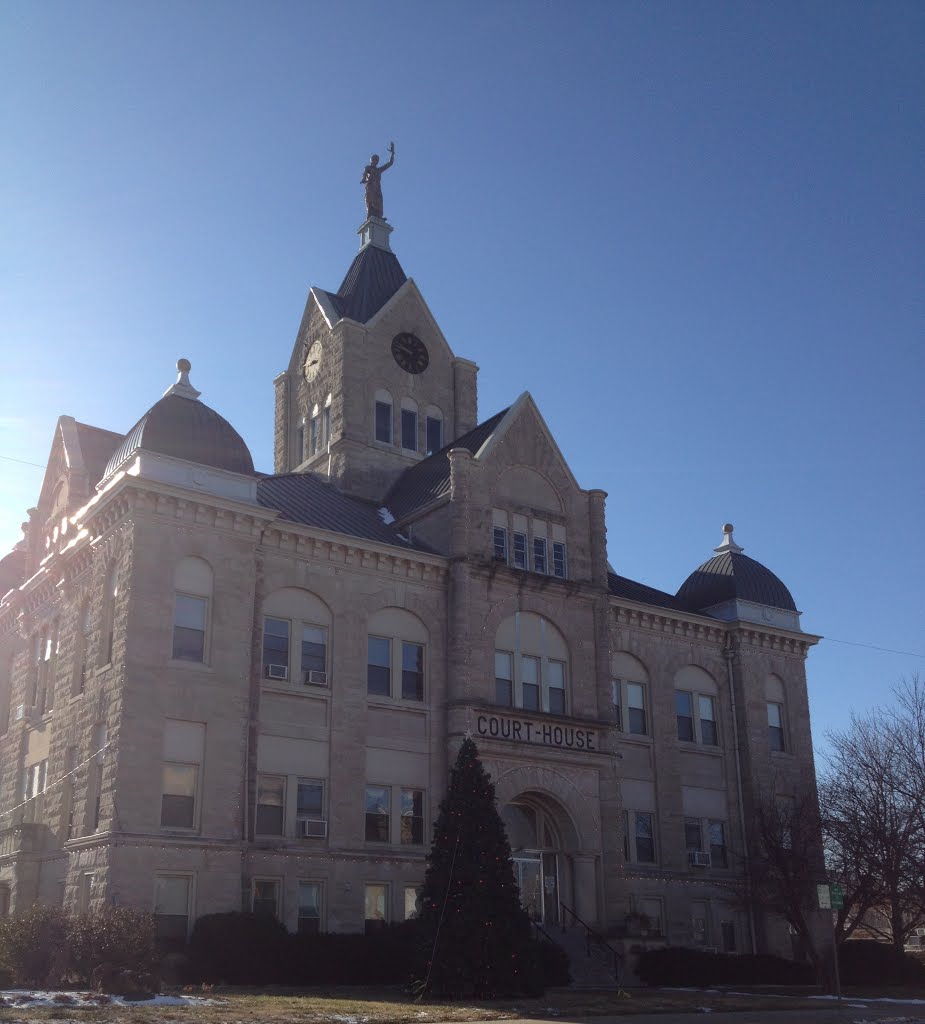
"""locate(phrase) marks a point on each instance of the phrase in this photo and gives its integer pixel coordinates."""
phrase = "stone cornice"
(692, 628)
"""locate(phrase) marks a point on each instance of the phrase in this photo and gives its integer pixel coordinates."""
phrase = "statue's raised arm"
(372, 176)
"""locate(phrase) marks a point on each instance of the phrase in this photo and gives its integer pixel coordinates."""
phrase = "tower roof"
(732, 575)
(373, 278)
(181, 426)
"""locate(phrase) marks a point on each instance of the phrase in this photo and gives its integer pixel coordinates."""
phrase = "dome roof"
(181, 426)
(730, 575)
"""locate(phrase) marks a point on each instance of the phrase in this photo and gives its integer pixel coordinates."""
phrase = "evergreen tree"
(477, 936)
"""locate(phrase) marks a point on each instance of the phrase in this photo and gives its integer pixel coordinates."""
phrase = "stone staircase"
(591, 964)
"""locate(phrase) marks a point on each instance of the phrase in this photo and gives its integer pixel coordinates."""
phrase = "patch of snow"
(386, 516)
(28, 998)
(880, 999)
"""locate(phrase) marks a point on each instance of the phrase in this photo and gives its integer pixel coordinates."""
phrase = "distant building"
(222, 689)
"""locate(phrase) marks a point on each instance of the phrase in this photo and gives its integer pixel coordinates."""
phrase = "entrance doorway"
(538, 858)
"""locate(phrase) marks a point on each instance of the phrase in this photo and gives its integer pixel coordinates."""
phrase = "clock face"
(313, 361)
(410, 353)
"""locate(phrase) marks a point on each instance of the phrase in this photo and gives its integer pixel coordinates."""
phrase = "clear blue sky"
(694, 231)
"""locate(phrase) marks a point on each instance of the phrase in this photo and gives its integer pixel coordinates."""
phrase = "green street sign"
(838, 896)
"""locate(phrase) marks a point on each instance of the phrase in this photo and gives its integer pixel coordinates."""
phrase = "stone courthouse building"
(223, 689)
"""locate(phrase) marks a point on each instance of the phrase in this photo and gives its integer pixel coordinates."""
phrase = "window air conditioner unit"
(277, 671)
(312, 828)
(20, 713)
(697, 859)
(314, 677)
(26, 712)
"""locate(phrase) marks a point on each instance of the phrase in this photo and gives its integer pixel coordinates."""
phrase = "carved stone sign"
(542, 734)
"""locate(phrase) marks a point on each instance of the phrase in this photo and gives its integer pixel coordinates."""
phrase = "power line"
(22, 462)
(874, 647)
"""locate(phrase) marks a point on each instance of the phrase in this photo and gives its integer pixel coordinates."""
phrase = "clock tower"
(372, 386)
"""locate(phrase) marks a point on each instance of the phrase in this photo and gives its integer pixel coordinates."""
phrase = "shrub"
(114, 947)
(676, 965)
(867, 962)
(239, 949)
(34, 946)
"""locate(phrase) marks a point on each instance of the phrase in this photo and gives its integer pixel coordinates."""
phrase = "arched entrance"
(540, 833)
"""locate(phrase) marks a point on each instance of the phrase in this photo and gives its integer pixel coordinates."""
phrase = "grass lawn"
(392, 1006)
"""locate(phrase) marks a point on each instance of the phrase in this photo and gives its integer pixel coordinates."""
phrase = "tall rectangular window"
(434, 435)
(325, 427)
(555, 685)
(172, 907)
(504, 679)
(559, 565)
(378, 813)
(684, 712)
(776, 726)
(384, 422)
(412, 817)
(271, 805)
(189, 628)
(693, 835)
(300, 443)
(530, 682)
(728, 932)
(379, 666)
(412, 902)
(409, 430)
(178, 795)
(717, 831)
(707, 716)
(520, 551)
(499, 543)
(313, 435)
(412, 671)
(375, 906)
(539, 554)
(636, 709)
(645, 838)
(314, 655)
(84, 892)
(310, 799)
(309, 907)
(265, 897)
(276, 648)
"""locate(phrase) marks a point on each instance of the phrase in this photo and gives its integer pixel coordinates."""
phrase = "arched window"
(192, 584)
(396, 647)
(314, 438)
(296, 631)
(630, 686)
(50, 667)
(383, 417)
(326, 424)
(695, 706)
(409, 425)
(433, 431)
(531, 664)
(777, 713)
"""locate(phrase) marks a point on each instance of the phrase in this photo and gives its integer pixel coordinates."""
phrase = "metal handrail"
(598, 938)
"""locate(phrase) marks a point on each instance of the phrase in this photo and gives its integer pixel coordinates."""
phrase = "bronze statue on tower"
(372, 176)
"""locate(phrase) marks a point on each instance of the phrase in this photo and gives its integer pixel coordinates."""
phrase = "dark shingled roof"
(185, 428)
(430, 478)
(731, 575)
(96, 447)
(306, 498)
(621, 586)
(373, 278)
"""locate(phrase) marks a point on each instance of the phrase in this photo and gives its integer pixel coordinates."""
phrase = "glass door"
(529, 874)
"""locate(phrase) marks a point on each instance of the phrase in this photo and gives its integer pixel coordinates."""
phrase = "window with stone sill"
(270, 819)
(383, 676)
(531, 663)
(639, 837)
(179, 787)
(776, 727)
(383, 825)
(304, 662)
(172, 901)
(705, 835)
(309, 914)
(530, 546)
(375, 906)
(629, 702)
(265, 897)
(696, 718)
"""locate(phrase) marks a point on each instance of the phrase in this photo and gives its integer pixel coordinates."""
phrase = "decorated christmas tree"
(476, 935)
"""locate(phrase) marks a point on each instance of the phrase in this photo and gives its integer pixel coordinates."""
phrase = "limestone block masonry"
(211, 702)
